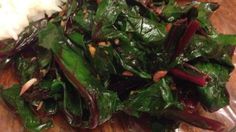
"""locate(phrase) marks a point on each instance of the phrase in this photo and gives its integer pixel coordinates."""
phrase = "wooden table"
(225, 22)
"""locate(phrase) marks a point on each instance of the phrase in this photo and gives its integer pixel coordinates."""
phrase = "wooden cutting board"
(225, 22)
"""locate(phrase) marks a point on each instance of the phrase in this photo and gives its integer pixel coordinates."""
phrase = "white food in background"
(15, 15)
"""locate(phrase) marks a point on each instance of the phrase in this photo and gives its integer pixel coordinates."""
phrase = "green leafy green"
(96, 58)
(153, 99)
(79, 74)
(72, 106)
(31, 65)
(209, 49)
(109, 10)
(85, 18)
(173, 11)
(213, 96)
(103, 62)
(46, 40)
(30, 121)
(147, 30)
(51, 106)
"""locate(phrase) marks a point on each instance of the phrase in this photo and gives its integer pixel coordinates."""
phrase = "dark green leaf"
(153, 99)
(50, 106)
(214, 96)
(72, 106)
(103, 62)
(30, 121)
(109, 10)
(147, 30)
(31, 62)
(222, 39)
(210, 49)
(76, 69)
(49, 35)
(84, 18)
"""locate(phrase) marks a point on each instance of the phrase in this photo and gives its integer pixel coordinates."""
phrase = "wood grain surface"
(223, 19)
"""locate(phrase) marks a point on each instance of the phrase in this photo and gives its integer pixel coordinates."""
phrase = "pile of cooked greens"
(97, 58)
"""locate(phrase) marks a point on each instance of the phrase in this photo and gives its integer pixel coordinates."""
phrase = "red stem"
(193, 26)
(195, 120)
(200, 80)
